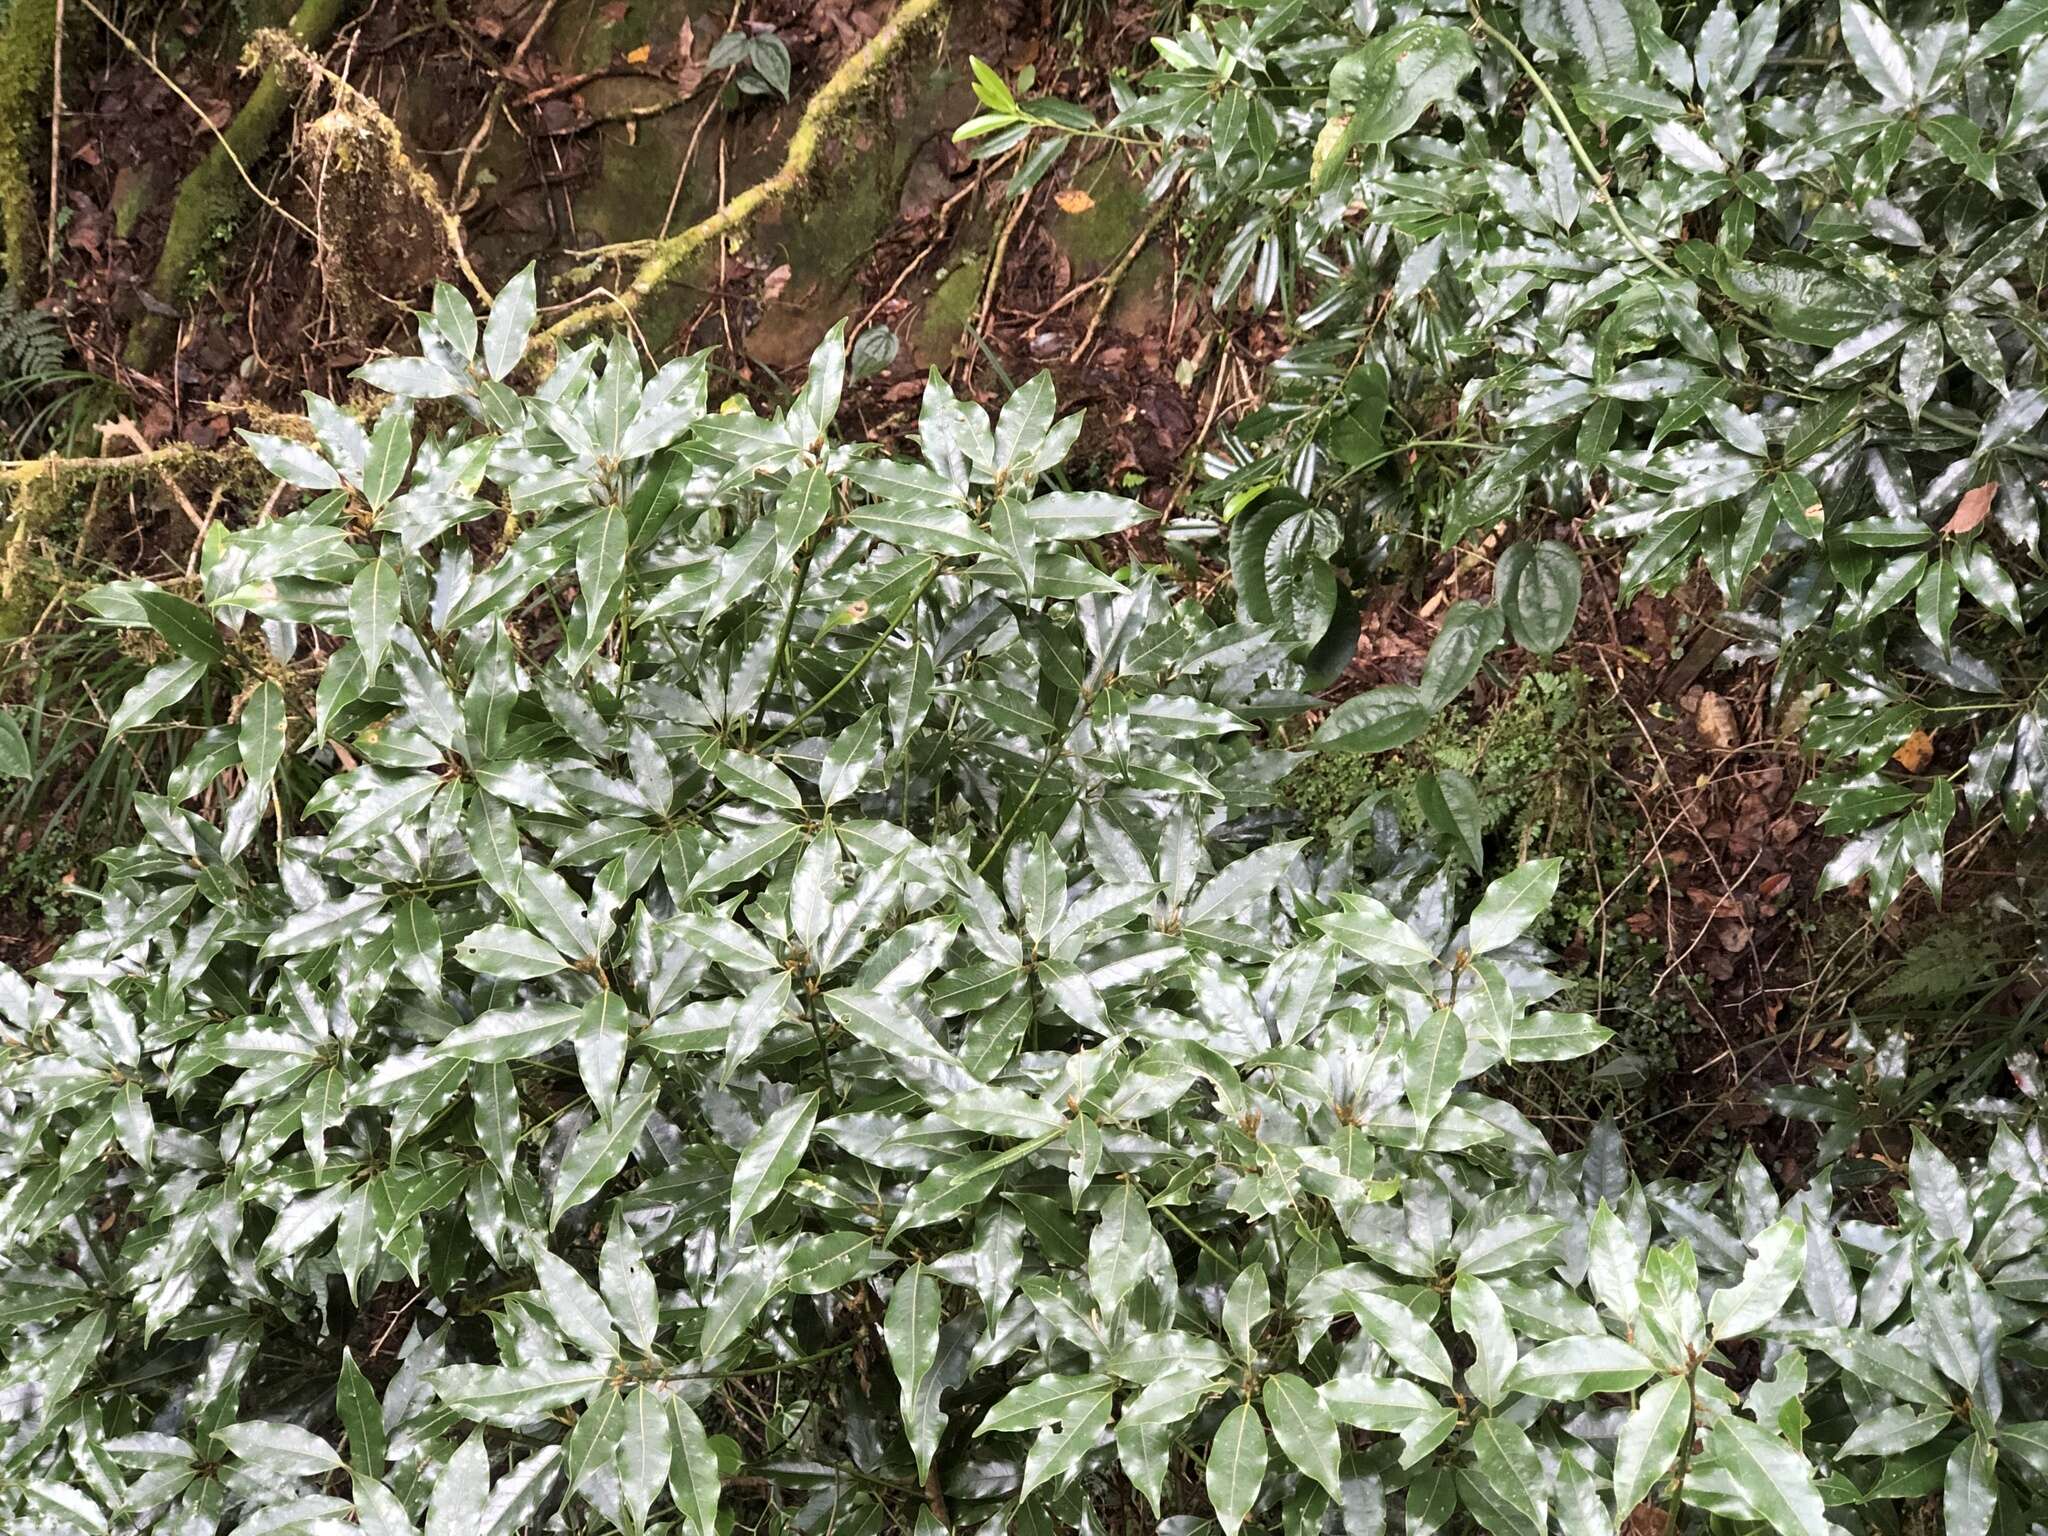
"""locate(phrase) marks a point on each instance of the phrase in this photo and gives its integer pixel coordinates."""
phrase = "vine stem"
(860, 664)
(796, 592)
(56, 148)
(1600, 192)
(1676, 1492)
(1052, 753)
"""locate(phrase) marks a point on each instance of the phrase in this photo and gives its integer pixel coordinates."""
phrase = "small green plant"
(46, 402)
(759, 61)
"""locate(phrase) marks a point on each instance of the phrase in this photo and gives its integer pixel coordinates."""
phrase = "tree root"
(26, 40)
(1113, 278)
(212, 196)
(666, 259)
(280, 50)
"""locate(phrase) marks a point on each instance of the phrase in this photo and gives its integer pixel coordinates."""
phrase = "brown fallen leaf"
(1074, 200)
(1716, 721)
(1972, 509)
(1714, 903)
(1915, 752)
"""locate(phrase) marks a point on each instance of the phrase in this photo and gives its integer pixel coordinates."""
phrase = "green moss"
(42, 513)
(1539, 762)
(948, 311)
(1095, 238)
(134, 191)
(213, 199)
(1526, 759)
(48, 527)
(26, 39)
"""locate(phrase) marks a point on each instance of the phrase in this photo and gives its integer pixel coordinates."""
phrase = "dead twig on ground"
(1114, 277)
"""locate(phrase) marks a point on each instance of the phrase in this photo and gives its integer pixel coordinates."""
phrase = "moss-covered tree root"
(25, 53)
(213, 198)
(46, 514)
(360, 117)
(668, 260)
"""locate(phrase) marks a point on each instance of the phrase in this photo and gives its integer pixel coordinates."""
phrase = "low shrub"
(722, 980)
(1756, 290)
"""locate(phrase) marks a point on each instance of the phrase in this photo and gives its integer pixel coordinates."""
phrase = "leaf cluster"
(722, 979)
(1755, 290)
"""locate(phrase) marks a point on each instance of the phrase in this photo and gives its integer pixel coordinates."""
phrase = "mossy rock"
(1095, 238)
(590, 34)
(948, 313)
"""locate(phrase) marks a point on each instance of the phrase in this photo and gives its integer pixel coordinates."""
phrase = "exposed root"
(666, 259)
(1114, 277)
(992, 278)
(56, 146)
(357, 114)
(210, 200)
(26, 41)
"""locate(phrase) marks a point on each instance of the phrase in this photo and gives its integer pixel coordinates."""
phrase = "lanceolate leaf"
(1650, 1440)
(751, 993)
(1237, 1466)
(1304, 1428)
(1394, 79)
(1598, 35)
(600, 1152)
(1755, 1475)
(770, 1158)
(911, 1331)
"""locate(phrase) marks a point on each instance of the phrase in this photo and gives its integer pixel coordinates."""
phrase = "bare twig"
(477, 140)
(690, 150)
(993, 277)
(532, 32)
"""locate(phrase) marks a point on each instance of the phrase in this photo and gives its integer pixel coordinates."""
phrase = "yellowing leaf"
(1915, 752)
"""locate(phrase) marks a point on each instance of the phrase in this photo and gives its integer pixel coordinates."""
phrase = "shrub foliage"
(720, 980)
(1758, 290)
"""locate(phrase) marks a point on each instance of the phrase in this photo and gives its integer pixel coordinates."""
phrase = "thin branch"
(56, 145)
(1600, 193)
(226, 148)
